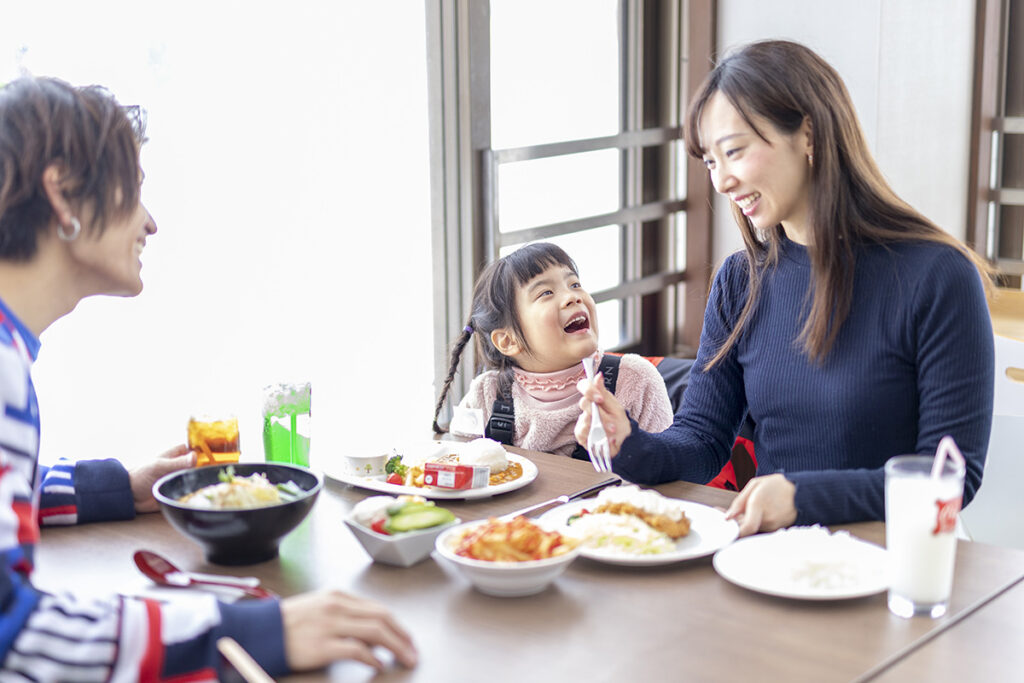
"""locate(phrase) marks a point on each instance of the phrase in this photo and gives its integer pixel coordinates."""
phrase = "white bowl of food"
(398, 531)
(527, 558)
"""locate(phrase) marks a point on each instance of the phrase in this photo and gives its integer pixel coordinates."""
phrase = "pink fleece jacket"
(548, 425)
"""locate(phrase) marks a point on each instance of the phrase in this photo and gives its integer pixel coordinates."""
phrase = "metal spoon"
(160, 570)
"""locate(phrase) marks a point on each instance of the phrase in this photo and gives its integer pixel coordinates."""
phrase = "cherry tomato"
(396, 479)
(378, 526)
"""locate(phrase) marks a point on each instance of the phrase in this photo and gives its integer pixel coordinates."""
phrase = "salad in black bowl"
(238, 513)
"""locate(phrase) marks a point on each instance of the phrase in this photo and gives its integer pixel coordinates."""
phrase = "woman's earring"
(76, 227)
(810, 160)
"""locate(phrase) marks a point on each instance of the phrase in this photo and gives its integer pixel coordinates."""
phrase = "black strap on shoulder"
(609, 369)
(502, 424)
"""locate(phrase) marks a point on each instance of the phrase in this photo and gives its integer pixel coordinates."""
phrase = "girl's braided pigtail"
(456, 355)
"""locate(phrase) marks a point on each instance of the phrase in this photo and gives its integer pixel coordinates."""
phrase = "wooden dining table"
(597, 621)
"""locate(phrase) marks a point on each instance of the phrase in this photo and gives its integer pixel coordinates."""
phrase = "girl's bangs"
(530, 261)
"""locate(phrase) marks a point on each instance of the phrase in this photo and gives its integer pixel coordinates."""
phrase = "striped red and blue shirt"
(117, 638)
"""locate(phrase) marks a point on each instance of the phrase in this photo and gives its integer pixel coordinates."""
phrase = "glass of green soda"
(287, 419)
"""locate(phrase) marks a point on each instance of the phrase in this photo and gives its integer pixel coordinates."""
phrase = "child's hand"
(613, 415)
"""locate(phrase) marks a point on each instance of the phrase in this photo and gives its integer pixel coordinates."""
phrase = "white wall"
(908, 68)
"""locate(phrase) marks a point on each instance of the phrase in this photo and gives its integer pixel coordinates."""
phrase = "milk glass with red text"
(920, 533)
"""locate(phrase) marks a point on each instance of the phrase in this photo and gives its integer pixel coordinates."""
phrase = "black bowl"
(241, 536)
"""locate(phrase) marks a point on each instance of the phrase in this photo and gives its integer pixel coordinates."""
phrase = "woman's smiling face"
(558, 320)
(768, 178)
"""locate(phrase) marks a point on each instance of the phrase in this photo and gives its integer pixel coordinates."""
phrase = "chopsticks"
(613, 481)
(246, 666)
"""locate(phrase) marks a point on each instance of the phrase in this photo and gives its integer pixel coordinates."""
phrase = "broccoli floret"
(394, 466)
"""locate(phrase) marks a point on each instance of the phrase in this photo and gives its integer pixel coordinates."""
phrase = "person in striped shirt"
(72, 225)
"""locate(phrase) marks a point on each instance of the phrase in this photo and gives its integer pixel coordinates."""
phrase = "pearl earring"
(810, 160)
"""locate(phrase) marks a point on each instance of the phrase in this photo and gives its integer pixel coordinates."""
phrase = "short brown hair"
(95, 141)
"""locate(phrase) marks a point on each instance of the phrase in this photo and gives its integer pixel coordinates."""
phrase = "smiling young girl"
(534, 324)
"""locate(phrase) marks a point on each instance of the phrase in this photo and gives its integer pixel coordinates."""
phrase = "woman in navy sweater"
(850, 327)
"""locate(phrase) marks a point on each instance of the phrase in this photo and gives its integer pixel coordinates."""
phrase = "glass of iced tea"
(214, 439)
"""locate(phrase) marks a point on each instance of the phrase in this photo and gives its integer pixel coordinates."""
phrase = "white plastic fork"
(597, 440)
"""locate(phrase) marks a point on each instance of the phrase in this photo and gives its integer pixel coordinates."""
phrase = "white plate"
(709, 531)
(806, 563)
(379, 484)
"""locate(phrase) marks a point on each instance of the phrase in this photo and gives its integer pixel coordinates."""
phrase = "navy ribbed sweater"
(912, 363)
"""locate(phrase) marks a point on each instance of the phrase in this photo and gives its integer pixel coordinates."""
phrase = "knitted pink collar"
(552, 386)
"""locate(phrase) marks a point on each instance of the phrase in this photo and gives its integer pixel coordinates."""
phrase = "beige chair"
(996, 515)
(1007, 309)
(1009, 380)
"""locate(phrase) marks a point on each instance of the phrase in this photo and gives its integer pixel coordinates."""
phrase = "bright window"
(287, 170)
(564, 86)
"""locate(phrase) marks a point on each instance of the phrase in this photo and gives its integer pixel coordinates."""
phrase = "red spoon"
(161, 571)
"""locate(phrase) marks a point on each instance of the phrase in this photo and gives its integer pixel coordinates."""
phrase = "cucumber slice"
(406, 507)
(422, 517)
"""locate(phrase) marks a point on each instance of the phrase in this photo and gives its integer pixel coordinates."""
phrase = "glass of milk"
(920, 532)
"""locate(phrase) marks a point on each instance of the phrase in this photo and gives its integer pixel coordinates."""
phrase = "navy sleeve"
(698, 443)
(103, 491)
(258, 628)
(255, 625)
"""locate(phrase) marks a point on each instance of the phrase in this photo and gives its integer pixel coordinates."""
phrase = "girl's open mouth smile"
(579, 323)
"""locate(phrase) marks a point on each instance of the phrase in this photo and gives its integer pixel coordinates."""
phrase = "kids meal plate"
(438, 470)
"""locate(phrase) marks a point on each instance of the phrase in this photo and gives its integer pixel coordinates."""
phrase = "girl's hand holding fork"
(613, 415)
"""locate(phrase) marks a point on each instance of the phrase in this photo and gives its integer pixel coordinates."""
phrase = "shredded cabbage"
(234, 492)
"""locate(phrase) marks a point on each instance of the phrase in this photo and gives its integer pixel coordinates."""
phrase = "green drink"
(286, 423)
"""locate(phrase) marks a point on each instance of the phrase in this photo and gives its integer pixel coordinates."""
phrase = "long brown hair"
(784, 83)
(93, 139)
